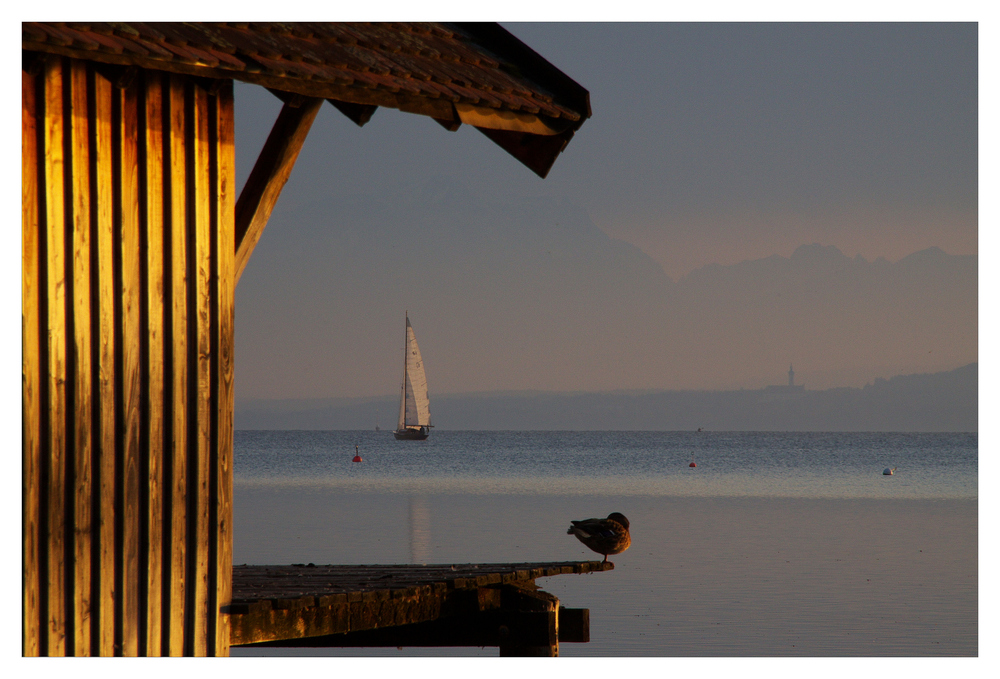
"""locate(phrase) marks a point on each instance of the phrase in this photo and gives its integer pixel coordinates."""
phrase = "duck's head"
(619, 517)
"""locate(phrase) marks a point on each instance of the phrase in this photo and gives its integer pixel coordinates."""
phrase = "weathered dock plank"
(253, 583)
(455, 604)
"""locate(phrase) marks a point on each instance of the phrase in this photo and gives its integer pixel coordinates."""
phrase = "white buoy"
(888, 472)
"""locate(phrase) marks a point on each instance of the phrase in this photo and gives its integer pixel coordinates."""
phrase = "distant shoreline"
(935, 402)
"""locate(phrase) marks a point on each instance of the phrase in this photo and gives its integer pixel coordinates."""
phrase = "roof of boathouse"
(472, 73)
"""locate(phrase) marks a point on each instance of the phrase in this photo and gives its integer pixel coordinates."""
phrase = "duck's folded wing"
(601, 527)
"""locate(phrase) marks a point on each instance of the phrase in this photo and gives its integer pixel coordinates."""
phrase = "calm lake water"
(775, 544)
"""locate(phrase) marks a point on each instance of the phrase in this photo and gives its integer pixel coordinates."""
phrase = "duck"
(604, 536)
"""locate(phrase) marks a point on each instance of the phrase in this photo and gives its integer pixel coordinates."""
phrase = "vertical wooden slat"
(199, 185)
(129, 243)
(104, 239)
(56, 340)
(30, 369)
(154, 336)
(82, 376)
(225, 273)
(178, 352)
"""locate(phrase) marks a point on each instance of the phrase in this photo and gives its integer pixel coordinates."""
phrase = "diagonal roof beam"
(269, 174)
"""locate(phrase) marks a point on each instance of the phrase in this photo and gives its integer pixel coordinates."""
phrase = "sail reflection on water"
(420, 530)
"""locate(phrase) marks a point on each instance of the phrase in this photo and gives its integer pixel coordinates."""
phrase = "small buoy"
(357, 455)
(888, 472)
(692, 465)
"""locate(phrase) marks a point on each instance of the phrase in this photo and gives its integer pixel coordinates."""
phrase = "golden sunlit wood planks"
(124, 132)
(104, 416)
(78, 153)
(127, 336)
(54, 346)
(152, 360)
(175, 511)
(198, 488)
(223, 207)
(31, 427)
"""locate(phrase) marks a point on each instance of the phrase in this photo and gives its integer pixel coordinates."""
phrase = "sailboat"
(414, 406)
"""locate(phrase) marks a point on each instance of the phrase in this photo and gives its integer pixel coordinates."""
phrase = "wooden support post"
(532, 622)
(574, 625)
(268, 177)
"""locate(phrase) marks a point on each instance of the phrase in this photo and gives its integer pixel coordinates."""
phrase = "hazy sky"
(719, 142)
(709, 143)
(712, 143)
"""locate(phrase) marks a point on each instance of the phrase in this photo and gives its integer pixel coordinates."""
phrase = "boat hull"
(411, 434)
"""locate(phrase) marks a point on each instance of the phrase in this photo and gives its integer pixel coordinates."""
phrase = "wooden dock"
(407, 605)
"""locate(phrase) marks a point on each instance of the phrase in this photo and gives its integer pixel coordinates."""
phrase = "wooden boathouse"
(133, 241)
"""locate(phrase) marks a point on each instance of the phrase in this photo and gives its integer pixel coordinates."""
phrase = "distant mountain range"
(943, 401)
(825, 311)
(528, 293)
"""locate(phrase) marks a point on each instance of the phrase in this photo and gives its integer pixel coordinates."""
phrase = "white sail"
(414, 406)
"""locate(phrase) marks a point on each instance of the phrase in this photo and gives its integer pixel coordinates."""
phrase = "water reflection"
(420, 530)
(704, 576)
(774, 545)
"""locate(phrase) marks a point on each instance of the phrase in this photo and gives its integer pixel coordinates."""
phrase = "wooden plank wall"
(127, 369)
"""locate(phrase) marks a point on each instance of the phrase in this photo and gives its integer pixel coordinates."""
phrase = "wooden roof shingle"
(478, 74)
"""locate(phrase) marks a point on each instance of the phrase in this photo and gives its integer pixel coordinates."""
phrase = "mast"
(402, 393)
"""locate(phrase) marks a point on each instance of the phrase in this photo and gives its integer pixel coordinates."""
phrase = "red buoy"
(692, 464)
(357, 455)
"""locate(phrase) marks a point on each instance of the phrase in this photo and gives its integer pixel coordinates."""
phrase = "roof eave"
(534, 140)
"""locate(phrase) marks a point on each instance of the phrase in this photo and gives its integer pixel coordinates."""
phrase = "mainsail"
(414, 406)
